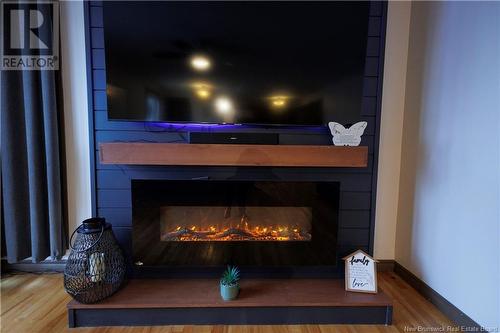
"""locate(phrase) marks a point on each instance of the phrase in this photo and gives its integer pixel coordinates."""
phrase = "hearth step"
(147, 302)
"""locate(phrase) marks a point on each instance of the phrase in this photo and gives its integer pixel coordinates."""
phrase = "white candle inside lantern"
(96, 266)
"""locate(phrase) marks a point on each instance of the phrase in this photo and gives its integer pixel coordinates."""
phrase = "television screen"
(271, 63)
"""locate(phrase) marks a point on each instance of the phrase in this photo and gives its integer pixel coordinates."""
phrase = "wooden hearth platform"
(145, 302)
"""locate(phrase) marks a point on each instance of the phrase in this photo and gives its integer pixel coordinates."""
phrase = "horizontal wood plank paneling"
(100, 102)
(345, 250)
(118, 198)
(139, 136)
(97, 37)
(113, 131)
(99, 79)
(313, 174)
(370, 128)
(355, 237)
(96, 18)
(121, 179)
(369, 106)
(124, 238)
(103, 124)
(356, 184)
(98, 59)
(113, 179)
(376, 8)
(371, 66)
(354, 219)
(298, 139)
(119, 217)
(355, 200)
(370, 87)
(374, 25)
(373, 46)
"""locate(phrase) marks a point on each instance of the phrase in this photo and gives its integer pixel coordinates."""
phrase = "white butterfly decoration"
(347, 136)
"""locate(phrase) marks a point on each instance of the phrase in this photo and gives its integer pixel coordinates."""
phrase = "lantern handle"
(91, 246)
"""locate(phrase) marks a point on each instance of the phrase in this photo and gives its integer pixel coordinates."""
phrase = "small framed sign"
(360, 273)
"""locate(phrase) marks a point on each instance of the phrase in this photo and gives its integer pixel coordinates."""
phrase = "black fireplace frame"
(314, 258)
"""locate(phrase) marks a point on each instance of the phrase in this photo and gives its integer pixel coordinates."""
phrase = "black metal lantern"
(96, 267)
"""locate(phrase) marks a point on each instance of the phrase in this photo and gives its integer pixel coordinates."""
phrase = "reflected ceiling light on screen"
(200, 63)
(223, 105)
(202, 90)
(279, 101)
(203, 93)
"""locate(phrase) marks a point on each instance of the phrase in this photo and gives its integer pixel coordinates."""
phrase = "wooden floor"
(37, 303)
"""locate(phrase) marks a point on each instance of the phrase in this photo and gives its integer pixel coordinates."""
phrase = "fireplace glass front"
(247, 223)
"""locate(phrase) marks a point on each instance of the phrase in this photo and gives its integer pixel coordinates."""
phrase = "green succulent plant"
(231, 276)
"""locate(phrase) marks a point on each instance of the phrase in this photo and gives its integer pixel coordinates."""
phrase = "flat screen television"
(267, 63)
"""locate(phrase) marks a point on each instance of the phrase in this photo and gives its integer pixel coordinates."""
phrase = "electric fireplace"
(259, 224)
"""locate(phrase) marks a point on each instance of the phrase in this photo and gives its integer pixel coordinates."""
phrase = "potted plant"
(229, 286)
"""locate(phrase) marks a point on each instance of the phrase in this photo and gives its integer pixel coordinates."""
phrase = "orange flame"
(257, 233)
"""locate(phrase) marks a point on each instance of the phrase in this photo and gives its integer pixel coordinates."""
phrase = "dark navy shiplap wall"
(111, 184)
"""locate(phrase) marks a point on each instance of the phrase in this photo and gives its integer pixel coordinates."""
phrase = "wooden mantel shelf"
(232, 155)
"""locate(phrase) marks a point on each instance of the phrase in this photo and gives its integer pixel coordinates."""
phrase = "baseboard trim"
(385, 265)
(29, 267)
(443, 305)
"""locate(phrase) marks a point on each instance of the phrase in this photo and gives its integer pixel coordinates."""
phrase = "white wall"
(76, 130)
(448, 225)
(391, 128)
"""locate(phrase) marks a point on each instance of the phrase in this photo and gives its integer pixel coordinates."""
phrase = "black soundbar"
(234, 138)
